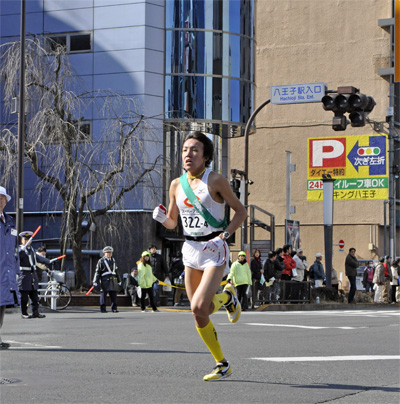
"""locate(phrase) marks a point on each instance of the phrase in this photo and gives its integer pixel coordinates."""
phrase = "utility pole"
(289, 169)
(21, 126)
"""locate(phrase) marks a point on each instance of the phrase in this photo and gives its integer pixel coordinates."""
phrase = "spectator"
(178, 274)
(301, 266)
(395, 279)
(368, 276)
(351, 265)
(279, 265)
(132, 284)
(28, 282)
(256, 272)
(289, 262)
(160, 271)
(334, 280)
(388, 279)
(287, 272)
(9, 261)
(240, 275)
(40, 267)
(306, 271)
(106, 276)
(146, 281)
(318, 270)
(270, 274)
(379, 281)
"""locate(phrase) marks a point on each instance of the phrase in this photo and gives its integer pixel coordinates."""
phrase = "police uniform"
(107, 277)
(28, 282)
(197, 231)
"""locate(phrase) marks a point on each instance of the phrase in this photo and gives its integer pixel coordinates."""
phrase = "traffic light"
(235, 185)
(348, 100)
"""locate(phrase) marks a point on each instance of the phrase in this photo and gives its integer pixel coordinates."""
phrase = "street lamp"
(246, 166)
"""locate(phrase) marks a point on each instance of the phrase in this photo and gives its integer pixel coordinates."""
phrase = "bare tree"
(85, 173)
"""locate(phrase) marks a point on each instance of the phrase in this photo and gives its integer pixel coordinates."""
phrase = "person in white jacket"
(297, 293)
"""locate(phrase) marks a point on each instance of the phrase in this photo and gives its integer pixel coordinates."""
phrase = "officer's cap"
(26, 234)
(108, 249)
(144, 253)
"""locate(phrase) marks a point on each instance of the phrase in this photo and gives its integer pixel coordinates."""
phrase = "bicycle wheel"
(63, 299)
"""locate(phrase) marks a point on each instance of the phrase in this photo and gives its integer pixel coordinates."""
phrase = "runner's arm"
(173, 211)
(224, 189)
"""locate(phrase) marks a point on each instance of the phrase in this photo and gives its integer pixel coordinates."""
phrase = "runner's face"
(193, 155)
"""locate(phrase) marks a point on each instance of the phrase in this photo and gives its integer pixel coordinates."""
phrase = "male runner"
(205, 251)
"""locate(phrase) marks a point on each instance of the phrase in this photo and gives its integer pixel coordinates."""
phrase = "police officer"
(28, 283)
(107, 277)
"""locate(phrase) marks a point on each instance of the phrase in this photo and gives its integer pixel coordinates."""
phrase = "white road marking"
(31, 345)
(137, 343)
(340, 313)
(309, 327)
(331, 358)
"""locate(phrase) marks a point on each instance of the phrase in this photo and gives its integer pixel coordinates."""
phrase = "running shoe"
(221, 371)
(233, 307)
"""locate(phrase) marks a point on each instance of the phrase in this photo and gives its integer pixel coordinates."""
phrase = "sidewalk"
(125, 301)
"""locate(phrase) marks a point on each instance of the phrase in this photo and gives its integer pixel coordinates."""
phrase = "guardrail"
(283, 292)
(50, 292)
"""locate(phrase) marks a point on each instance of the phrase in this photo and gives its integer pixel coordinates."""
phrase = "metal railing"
(282, 292)
(51, 292)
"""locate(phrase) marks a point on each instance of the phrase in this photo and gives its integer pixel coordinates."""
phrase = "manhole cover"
(4, 380)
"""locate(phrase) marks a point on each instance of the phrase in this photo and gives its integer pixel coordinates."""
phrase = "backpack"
(311, 272)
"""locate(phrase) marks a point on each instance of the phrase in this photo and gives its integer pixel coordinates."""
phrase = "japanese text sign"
(297, 93)
(359, 164)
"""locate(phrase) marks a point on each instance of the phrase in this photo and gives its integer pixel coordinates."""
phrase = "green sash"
(208, 217)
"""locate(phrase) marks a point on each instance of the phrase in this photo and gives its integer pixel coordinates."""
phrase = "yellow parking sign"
(359, 164)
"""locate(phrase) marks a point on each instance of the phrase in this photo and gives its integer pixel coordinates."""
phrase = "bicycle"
(64, 296)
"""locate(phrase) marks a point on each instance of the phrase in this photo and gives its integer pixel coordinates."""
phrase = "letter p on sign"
(328, 152)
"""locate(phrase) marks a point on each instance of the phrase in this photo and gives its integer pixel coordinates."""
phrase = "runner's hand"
(213, 245)
(160, 213)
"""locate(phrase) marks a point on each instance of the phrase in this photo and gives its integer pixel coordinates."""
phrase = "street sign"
(341, 245)
(297, 93)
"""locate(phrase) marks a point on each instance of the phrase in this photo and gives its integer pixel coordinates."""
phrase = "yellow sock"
(210, 338)
(219, 300)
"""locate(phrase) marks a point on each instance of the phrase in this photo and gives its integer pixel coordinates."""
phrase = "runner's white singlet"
(193, 223)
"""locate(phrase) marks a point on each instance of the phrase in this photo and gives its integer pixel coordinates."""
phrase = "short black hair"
(271, 254)
(286, 247)
(208, 152)
(278, 251)
(152, 246)
(42, 249)
(382, 259)
(352, 249)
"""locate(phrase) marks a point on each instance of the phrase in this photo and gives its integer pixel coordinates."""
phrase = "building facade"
(341, 43)
(178, 59)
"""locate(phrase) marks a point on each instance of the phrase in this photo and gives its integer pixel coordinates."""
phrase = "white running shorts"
(195, 257)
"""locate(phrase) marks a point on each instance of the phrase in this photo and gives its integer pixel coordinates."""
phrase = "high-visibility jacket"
(146, 277)
(240, 273)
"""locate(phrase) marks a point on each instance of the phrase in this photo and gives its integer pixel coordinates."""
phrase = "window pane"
(80, 43)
